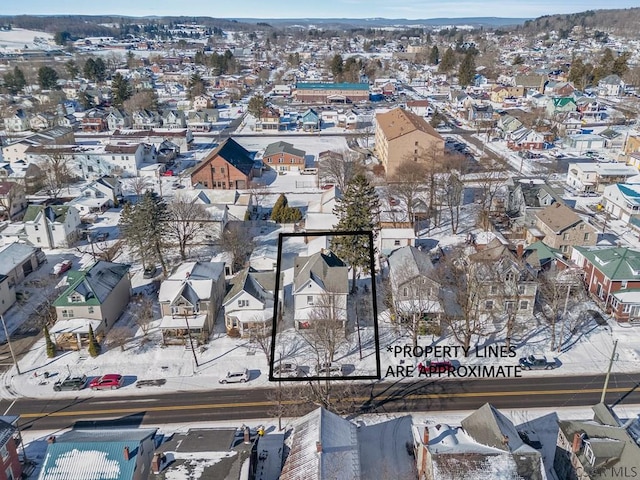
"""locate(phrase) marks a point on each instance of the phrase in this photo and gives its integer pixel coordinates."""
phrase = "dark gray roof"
(283, 147)
(408, 262)
(106, 434)
(325, 268)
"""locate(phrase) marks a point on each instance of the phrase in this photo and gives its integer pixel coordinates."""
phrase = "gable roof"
(233, 153)
(558, 217)
(95, 283)
(192, 280)
(617, 263)
(539, 254)
(324, 268)
(95, 454)
(54, 213)
(408, 262)
(337, 440)
(245, 281)
(283, 147)
(398, 122)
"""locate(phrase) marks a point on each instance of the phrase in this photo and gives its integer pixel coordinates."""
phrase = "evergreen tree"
(620, 66)
(51, 348)
(94, 348)
(120, 90)
(434, 55)
(357, 210)
(14, 81)
(47, 78)
(467, 70)
(256, 106)
(518, 60)
(281, 203)
(72, 69)
(448, 61)
(337, 66)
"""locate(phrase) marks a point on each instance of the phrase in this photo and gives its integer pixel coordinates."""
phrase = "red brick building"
(228, 167)
(10, 466)
(612, 278)
(282, 156)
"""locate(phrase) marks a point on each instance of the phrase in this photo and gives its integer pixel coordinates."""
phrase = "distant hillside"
(489, 22)
(619, 21)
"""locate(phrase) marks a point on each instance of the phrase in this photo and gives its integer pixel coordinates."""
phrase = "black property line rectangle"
(374, 304)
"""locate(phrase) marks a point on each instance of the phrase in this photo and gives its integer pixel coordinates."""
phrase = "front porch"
(176, 329)
(73, 334)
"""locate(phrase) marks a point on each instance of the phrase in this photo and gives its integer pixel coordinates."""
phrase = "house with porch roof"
(622, 201)
(190, 300)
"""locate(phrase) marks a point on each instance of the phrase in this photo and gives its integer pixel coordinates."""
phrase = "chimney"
(319, 447)
(577, 442)
(51, 439)
(505, 440)
(126, 453)
(156, 463)
(425, 436)
(247, 435)
(520, 250)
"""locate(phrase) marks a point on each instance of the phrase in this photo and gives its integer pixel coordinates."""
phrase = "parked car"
(536, 362)
(235, 376)
(70, 383)
(168, 173)
(429, 367)
(149, 272)
(101, 237)
(60, 268)
(110, 381)
(286, 369)
(330, 370)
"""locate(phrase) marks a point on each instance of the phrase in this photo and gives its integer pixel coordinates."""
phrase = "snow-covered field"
(19, 38)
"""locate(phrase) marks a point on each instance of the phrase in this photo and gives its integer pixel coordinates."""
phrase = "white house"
(391, 239)
(248, 306)
(54, 226)
(283, 90)
(18, 122)
(98, 195)
(594, 177)
(320, 289)
(611, 86)
(622, 201)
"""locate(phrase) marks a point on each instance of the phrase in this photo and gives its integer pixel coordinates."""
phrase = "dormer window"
(510, 277)
(75, 298)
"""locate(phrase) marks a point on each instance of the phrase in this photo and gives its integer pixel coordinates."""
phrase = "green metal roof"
(94, 284)
(55, 213)
(332, 86)
(617, 263)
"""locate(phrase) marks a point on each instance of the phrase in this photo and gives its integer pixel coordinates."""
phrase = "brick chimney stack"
(577, 442)
(425, 436)
(126, 453)
(319, 447)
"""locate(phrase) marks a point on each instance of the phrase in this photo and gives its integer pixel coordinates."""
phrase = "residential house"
(12, 200)
(174, 119)
(182, 138)
(487, 445)
(320, 289)
(42, 121)
(525, 139)
(95, 296)
(611, 86)
(94, 120)
(500, 93)
(146, 120)
(190, 300)
(10, 464)
(532, 82)
(527, 196)
(324, 446)
(422, 108)
(599, 449)
(198, 121)
(17, 122)
(348, 120)
(229, 167)
(541, 257)
(480, 114)
(122, 453)
(556, 105)
(612, 278)
(283, 157)
(564, 229)
(249, 303)
(269, 119)
(595, 177)
(18, 260)
(310, 120)
(118, 119)
(613, 139)
(622, 201)
(200, 102)
(320, 215)
(98, 196)
(390, 239)
(506, 287)
(582, 142)
(53, 226)
(414, 288)
(591, 109)
(402, 136)
(7, 297)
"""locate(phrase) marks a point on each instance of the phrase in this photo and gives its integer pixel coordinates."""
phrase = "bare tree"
(328, 321)
(237, 241)
(139, 185)
(187, 219)
(408, 184)
(56, 173)
(453, 188)
(490, 181)
(259, 192)
(460, 296)
(339, 168)
(8, 201)
(118, 337)
(144, 314)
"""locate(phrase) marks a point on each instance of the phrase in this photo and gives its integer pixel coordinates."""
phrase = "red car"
(429, 367)
(111, 381)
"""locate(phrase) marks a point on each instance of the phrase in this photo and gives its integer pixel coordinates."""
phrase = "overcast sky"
(311, 9)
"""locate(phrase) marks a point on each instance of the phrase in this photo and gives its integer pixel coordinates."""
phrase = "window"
(586, 236)
(564, 248)
(623, 284)
(293, 160)
(53, 227)
(9, 474)
(582, 226)
(396, 243)
(38, 240)
(90, 310)
(415, 144)
(493, 289)
(509, 306)
(243, 303)
(269, 160)
(281, 160)
(4, 452)
(524, 304)
(309, 299)
(36, 227)
(510, 277)
(221, 169)
(405, 292)
(213, 169)
(67, 313)
(488, 305)
(521, 289)
(565, 236)
(75, 298)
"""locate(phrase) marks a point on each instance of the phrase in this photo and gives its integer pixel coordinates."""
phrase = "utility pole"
(186, 320)
(606, 379)
(6, 334)
(564, 314)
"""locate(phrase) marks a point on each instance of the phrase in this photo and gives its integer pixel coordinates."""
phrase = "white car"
(235, 376)
(286, 369)
(330, 370)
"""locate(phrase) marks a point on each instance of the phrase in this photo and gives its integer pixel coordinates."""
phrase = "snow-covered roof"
(75, 325)
(179, 321)
(191, 280)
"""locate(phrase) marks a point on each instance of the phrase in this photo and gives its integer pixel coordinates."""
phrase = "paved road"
(238, 404)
